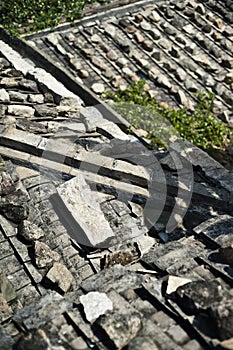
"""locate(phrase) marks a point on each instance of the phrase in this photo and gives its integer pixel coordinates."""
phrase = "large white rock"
(95, 304)
(175, 282)
(84, 211)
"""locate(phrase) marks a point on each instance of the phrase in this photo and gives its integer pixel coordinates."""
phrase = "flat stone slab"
(85, 212)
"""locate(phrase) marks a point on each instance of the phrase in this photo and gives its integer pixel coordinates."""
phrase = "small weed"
(200, 127)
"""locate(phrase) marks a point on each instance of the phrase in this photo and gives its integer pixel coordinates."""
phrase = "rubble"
(61, 276)
(95, 304)
(83, 263)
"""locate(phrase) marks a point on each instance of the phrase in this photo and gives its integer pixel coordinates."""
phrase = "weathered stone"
(6, 184)
(222, 314)
(45, 111)
(124, 22)
(98, 88)
(154, 16)
(4, 96)
(131, 29)
(29, 231)
(227, 344)
(9, 82)
(110, 30)
(95, 304)
(91, 117)
(41, 310)
(60, 276)
(181, 74)
(21, 111)
(36, 339)
(17, 96)
(28, 85)
(199, 295)
(83, 73)
(148, 45)
(112, 55)
(145, 26)
(227, 62)
(14, 212)
(124, 325)
(6, 340)
(175, 282)
(6, 288)
(44, 256)
(78, 199)
(124, 44)
(226, 254)
(122, 61)
(6, 311)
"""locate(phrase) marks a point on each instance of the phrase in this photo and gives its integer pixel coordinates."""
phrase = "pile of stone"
(105, 244)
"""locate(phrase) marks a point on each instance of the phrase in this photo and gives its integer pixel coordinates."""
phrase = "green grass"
(33, 15)
(200, 127)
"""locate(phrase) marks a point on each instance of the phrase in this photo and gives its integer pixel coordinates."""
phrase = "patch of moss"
(200, 127)
(33, 15)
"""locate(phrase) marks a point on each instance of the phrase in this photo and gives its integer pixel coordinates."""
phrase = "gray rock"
(21, 111)
(83, 73)
(181, 74)
(181, 98)
(110, 30)
(60, 276)
(148, 45)
(163, 81)
(157, 55)
(95, 304)
(41, 310)
(29, 85)
(44, 256)
(36, 339)
(7, 185)
(164, 44)
(6, 311)
(226, 254)
(98, 88)
(122, 61)
(98, 62)
(154, 16)
(139, 37)
(222, 315)
(199, 295)
(155, 33)
(227, 62)
(91, 117)
(36, 98)
(6, 340)
(80, 204)
(174, 282)
(9, 82)
(145, 25)
(125, 44)
(6, 288)
(29, 231)
(112, 55)
(45, 111)
(52, 38)
(4, 96)
(17, 96)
